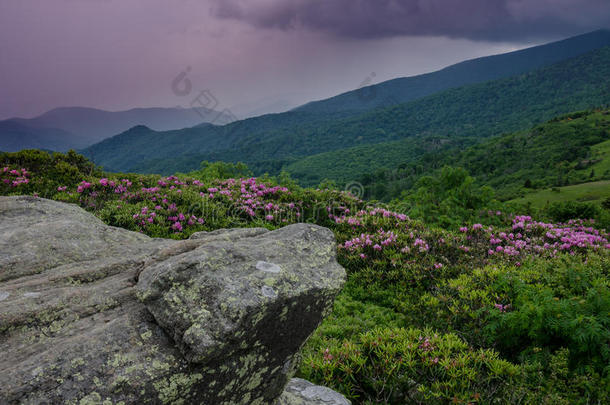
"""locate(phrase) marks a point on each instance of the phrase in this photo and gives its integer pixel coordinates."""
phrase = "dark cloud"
(471, 19)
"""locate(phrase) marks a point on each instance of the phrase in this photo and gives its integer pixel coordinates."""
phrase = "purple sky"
(119, 54)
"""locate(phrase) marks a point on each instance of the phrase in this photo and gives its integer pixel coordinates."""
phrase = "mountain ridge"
(85, 126)
(471, 71)
(479, 110)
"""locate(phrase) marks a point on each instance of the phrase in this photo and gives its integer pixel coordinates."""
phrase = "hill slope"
(567, 150)
(248, 134)
(479, 70)
(592, 192)
(473, 112)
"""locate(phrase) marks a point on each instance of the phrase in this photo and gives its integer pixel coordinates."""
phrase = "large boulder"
(90, 313)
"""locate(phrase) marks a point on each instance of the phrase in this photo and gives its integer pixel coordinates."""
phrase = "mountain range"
(78, 127)
(478, 70)
(343, 138)
(340, 140)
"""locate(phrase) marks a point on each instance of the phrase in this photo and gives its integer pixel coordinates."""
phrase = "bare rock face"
(301, 392)
(91, 313)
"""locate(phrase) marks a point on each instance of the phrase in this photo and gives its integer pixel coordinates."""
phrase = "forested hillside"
(272, 141)
(479, 70)
(460, 117)
(567, 150)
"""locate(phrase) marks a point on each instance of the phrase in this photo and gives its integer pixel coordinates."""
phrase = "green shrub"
(532, 311)
(565, 210)
(400, 366)
(46, 171)
(449, 199)
(550, 382)
(220, 171)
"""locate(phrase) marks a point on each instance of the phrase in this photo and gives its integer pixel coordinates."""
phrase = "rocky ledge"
(96, 314)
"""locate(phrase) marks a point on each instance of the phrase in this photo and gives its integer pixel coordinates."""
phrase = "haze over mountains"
(78, 127)
(346, 136)
(311, 142)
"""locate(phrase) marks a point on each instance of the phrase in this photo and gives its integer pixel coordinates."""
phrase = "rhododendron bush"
(505, 308)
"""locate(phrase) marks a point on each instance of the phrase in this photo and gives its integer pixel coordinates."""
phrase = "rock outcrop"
(302, 392)
(90, 313)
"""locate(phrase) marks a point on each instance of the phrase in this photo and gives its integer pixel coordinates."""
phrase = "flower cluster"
(366, 232)
(163, 202)
(160, 214)
(14, 177)
(254, 199)
(375, 241)
(529, 237)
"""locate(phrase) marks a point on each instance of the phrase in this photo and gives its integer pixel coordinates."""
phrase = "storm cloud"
(490, 20)
(255, 56)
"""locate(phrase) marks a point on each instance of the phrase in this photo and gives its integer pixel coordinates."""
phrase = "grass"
(594, 192)
(601, 152)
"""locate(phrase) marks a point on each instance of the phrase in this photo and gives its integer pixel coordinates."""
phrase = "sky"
(252, 56)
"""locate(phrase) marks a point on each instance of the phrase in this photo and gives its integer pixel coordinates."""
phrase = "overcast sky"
(251, 54)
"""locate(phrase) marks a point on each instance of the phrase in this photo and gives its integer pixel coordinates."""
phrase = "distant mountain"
(268, 105)
(456, 118)
(473, 71)
(78, 127)
(313, 145)
(124, 152)
(15, 136)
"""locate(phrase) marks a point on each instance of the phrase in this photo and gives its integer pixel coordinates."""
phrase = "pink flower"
(327, 356)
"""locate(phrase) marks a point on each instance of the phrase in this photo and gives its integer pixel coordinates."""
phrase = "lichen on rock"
(93, 314)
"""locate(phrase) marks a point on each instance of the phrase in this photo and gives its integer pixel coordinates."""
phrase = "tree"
(448, 198)
(221, 171)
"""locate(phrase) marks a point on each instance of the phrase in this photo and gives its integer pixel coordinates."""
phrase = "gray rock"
(302, 392)
(92, 313)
